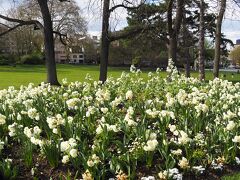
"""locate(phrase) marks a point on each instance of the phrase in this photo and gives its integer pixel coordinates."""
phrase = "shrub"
(7, 59)
(34, 58)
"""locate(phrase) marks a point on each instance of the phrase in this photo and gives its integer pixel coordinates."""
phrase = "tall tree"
(48, 31)
(201, 58)
(108, 37)
(66, 16)
(235, 55)
(186, 43)
(174, 27)
(218, 37)
(48, 43)
(104, 41)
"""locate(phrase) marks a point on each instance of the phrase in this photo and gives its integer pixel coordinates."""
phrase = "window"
(74, 56)
(81, 56)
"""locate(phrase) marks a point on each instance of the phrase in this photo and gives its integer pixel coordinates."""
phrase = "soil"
(45, 171)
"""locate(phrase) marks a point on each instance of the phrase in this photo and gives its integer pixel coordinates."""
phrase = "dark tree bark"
(187, 45)
(49, 43)
(105, 41)
(170, 31)
(173, 28)
(218, 38)
(108, 37)
(201, 41)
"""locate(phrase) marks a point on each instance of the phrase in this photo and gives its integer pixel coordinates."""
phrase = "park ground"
(24, 74)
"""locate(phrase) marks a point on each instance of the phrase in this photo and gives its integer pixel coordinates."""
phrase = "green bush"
(136, 60)
(34, 58)
(7, 59)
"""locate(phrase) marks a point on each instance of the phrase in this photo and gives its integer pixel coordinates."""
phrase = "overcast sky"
(231, 24)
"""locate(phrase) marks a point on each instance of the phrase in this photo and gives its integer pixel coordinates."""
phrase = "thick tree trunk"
(173, 29)
(187, 45)
(201, 42)
(48, 43)
(170, 31)
(172, 48)
(105, 41)
(218, 38)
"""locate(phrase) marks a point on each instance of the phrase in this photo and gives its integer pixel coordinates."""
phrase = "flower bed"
(126, 128)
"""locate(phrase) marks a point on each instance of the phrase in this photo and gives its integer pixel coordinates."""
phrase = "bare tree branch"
(10, 29)
(30, 22)
(61, 37)
(126, 6)
(22, 22)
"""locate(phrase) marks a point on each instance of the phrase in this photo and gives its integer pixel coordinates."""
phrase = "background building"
(69, 54)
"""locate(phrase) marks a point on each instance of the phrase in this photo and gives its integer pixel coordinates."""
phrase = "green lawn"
(232, 177)
(24, 74)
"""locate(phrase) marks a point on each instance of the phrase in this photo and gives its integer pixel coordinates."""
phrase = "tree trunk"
(172, 48)
(187, 45)
(218, 38)
(201, 42)
(187, 66)
(173, 30)
(48, 43)
(105, 41)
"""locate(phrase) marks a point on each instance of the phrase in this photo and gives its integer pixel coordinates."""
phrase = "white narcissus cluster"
(152, 113)
(116, 101)
(165, 113)
(201, 108)
(69, 149)
(90, 111)
(229, 115)
(183, 139)
(104, 110)
(1, 145)
(170, 173)
(236, 139)
(183, 163)
(72, 103)
(33, 114)
(129, 118)
(2, 119)
(55, 122)
(152, 143)
(13, 128)
(177, 152)
(34, 135)
(173, 129)
(230, 126)
(87, 175)
(129, 95)
(102, 95)
(65, 159)
(103, 124)
(93, 160)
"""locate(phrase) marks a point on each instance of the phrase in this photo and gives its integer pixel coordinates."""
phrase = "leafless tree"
(47, 28)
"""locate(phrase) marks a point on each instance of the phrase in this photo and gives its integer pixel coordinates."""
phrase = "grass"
(24, 74)
(232, 177)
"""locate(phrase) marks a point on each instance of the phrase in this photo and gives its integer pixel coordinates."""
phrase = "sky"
(231, 23)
